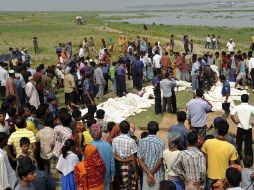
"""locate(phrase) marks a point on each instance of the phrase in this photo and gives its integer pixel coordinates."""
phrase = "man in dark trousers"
(120, 80)
(36, 46)
(138, 72)
(157, 93)
(173, 92)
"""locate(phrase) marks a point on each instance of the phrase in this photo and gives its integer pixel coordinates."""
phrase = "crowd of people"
(94, 154)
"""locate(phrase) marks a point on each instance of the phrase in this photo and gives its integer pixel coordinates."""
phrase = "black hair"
(222, 127)
(166, 75)
(65, 118)
(10, 98)
(192, 138)
(41, 111)
(2, 111)
(222, 77)
(23, 141)
(245, 98)
(90, 122)
(25, 167)
(76, 114)
(110, 125)
(20, 122)
(234, 177)
(3, 140)
(100, 114)
(248, 161)
(200, 92)
(49, 120)
(68, 144)
(124, 127)
(144, 134)
(5, 106)
(153, 127)
(167, 185)
(181, 116)
(11, 112)
(32, 109)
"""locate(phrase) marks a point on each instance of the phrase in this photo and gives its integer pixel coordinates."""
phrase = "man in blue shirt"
(120, 80)
(180, 130)
(138, 73)
(225, 93)
(106, 154)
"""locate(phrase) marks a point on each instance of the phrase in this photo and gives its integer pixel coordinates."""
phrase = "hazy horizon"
(110, 5)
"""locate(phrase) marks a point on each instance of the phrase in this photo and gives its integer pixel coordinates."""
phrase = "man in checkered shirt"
(124, 149)
(150, 156)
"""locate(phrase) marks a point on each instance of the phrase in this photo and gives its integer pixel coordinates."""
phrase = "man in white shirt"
(81, 52)
(157, 63)
(251, 68)
(244, 112)
(231, 45)
(208, 41)
(3, 78)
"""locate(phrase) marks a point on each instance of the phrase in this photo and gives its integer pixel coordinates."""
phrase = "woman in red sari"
(90, 173)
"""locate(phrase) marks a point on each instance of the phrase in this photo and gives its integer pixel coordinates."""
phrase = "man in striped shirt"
(150, 154)
(191, 164)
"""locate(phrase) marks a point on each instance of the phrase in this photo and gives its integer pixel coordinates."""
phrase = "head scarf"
(95, 131)
(95, 166)
(114, 133)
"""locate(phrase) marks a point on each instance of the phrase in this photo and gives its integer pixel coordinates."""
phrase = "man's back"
(151, 149)
(98, 75)
(165, 85)
(124, 146)
(219, 153)
(196, 112)
(191, 164)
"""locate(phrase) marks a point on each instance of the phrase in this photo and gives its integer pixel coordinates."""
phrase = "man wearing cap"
(230, 45)
(32, 93)
(11, 88)
(106, 154)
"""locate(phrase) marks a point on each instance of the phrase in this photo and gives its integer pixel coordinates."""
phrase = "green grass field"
(17, 29)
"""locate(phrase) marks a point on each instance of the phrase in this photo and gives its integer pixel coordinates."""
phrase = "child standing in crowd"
(27, 174)
(66, 163)
(24, 145)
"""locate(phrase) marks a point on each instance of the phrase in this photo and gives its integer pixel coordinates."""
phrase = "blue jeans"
(113, 85)
(194, 82)
(179, 184)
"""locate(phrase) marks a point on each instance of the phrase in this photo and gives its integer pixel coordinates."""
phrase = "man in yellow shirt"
(17, 135)
(219, 154)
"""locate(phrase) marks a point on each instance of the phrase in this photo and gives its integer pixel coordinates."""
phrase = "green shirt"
(112, 71)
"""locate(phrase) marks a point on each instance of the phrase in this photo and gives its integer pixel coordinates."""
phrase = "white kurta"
(32, 94)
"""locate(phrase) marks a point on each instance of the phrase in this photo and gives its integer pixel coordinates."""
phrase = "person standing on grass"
(191, 165)
(196, 113)
(219, 154)
(157, 93)
(225, 93)
(100, 81)
(230, 46)
(150, 156)
(172, 42)
(166, 86)
(245, 113)
(138, 66)
(157, 63)
(11, 88)
(120, 80)
(3, 79)
(69, 88)
(195, 71)
(251, 68)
